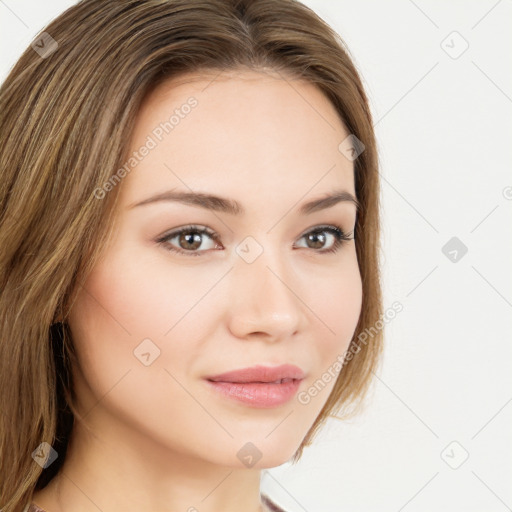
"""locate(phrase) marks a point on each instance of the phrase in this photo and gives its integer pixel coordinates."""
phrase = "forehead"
(238, 133)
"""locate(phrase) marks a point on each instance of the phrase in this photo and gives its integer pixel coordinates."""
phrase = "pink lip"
(257, 386)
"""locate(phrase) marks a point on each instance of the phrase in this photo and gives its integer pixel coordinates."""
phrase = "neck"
(124, 470)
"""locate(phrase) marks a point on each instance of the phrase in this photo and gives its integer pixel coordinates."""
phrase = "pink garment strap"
(34, 508)
(273, 507)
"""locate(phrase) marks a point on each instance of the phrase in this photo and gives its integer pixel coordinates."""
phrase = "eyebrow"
(232, 207)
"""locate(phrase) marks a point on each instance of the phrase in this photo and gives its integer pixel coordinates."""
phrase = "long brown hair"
(67, 109)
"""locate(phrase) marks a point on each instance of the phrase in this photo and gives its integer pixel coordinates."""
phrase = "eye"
(190, 238)
(318, 238)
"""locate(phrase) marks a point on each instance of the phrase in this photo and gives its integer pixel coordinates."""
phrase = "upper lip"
(260, 373)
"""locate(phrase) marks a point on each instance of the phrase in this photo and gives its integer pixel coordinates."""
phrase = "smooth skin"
(161, 438)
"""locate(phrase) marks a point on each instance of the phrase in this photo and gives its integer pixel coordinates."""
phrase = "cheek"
(337, 303)
(101, 323)
(137, 296)
(128, 299)
(125, 301)
(339, 307)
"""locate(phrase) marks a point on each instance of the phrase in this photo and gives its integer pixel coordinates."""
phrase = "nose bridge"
(263, 296)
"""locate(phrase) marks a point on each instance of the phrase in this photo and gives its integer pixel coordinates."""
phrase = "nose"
(264, 303)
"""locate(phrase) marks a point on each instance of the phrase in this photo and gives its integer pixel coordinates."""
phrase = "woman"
(189, 211)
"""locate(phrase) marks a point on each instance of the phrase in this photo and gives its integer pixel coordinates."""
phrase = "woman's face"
(161, 311)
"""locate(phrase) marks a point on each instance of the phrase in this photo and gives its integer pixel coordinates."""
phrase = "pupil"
(189, 239)
(317, 236)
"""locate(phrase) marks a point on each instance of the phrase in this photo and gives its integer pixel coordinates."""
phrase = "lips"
(259, 386)
(275, 374)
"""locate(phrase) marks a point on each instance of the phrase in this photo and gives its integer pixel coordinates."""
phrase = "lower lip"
(258, 394)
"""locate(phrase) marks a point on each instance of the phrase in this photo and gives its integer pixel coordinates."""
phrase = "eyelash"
(336, 231)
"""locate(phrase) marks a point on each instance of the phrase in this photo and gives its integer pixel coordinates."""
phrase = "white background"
(444, 128)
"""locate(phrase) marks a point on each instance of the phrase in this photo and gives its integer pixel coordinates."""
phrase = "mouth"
(261, 373)
(259, 386)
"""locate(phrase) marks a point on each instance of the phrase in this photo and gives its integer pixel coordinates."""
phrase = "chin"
(271, 454)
